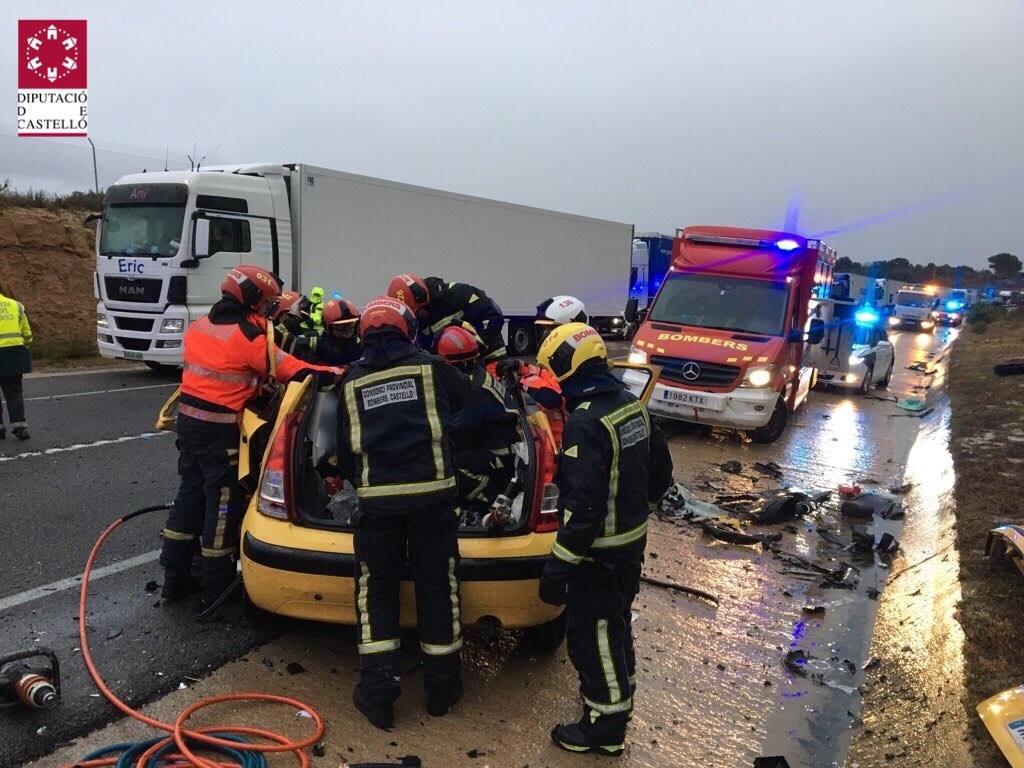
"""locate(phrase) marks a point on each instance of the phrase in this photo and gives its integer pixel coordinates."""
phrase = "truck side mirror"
(201, 239)
(630, 314)
(91, 218)
(815, 331)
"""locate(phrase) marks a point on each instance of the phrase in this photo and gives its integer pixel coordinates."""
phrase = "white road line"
(84, 372)
(81, 446)
(98, 392)
(76, 581)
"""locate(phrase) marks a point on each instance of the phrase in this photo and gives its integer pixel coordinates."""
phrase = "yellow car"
(296, 547)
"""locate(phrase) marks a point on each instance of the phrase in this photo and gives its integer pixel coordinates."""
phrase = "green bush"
(985, 313)
(979, 327)
(86, 201)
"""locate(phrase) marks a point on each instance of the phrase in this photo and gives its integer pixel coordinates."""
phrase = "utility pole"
(95, 172)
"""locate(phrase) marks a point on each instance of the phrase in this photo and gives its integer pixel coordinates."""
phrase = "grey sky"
(659, 114)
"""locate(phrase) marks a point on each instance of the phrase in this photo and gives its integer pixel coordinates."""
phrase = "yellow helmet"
(568, 347)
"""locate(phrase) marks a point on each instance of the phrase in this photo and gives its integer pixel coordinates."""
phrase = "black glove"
(508, 367)
(554, 581)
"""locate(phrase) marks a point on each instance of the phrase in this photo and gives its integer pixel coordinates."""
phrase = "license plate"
(684, 398)
(132, 355)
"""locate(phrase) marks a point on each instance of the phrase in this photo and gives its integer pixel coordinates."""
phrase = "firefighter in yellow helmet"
(614, 463)
(15, 336)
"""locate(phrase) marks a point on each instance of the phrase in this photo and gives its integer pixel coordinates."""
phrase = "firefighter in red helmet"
(227, 355)
(393, 446)
(339, 344)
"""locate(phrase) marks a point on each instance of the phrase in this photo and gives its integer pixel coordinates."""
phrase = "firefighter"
(483, 432)
(225, 358)
(438, 304)
(613, 464)
(558, 310)
(393, 446)
(289, 314)
(339, 343)
(315, 321)
(15, 361)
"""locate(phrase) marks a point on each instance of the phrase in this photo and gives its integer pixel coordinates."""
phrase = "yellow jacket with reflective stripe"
(14, 328)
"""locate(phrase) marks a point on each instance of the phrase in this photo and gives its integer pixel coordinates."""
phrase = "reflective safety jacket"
(614, 463)
(455, 303)
(226, 359)
(15, 336)
(393, 426)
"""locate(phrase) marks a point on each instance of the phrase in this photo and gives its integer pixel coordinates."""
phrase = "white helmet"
(559, 310)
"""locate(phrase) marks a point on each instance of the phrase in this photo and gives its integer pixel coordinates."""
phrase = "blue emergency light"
(787, 244)
(954, 305)
(866, 316)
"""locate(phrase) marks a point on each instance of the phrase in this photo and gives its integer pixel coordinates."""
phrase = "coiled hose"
(178, 750)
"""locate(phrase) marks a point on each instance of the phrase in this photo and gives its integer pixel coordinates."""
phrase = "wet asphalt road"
(92, 457)
(694, 712)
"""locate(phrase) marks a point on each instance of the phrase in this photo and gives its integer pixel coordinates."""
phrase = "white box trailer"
(166, 240)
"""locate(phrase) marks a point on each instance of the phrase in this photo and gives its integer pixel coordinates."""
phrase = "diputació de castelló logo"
(52, 78)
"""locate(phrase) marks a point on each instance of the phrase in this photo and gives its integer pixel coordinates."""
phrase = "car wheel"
(547, 637)
(520, 339)
(865, 383)
(776, 425)
(258, 618)
(888, 376)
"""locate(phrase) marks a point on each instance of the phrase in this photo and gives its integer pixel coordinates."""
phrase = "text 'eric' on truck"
(165, 241)
(730, 326)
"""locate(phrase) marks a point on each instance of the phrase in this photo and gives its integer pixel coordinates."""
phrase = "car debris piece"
(1006, 542)
(1009, 368)
(775, 761)
(768, 468)
(679, 503)
(901, 490)
(783, 507)
(849, 491)
(887, 544)
(725, 530)
(732, 467)
(294, 668)
(795, 662)
(918, 366)
(814, 610)
(1003, 716)
(680, 588)
(911, 404)
(866, 505)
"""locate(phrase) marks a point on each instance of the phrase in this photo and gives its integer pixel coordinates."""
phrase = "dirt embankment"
(47, 263)
(988, 454)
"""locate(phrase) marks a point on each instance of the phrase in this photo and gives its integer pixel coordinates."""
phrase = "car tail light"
(544, 516)
(547, 515)
(276, 483)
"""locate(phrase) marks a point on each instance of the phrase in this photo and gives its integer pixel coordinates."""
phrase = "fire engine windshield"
(142, 230)
(914, 299)
(722, 302)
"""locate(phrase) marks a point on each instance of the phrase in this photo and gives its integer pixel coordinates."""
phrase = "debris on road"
(775, 761)
(1009, 368)
(728, 530)
(768, 468)
(731, 467)
(849, 491)
(1006, 542)
(867, 505)
(679, 588)
(911, 404)
(784, 506)
(294, 668)
(795, 662)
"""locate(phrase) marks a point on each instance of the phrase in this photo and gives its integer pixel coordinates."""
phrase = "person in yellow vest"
(316, 309)
(15, 336)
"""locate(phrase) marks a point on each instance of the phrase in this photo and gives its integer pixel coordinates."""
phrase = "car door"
(884, 354)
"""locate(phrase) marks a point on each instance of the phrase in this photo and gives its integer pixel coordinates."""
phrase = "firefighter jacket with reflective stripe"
(489, 419)
(454, 303)
(226, 359)
(15, 336)
(393, 426)
(614, 462)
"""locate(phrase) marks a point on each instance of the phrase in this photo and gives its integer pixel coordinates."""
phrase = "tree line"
(1003, 267)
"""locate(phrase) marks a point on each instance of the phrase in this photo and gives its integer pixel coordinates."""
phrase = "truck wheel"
(776, 425)
(520, 339)
(545, 638)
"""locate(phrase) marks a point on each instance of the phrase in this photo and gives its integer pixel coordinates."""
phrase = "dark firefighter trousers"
(424, 541)
(209, 505)
(10, 386)
(599, 636)
(482, 473)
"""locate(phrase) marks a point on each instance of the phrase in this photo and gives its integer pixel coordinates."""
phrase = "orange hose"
(272, 742)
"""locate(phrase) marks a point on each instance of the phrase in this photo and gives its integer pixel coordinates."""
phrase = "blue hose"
(131, 751)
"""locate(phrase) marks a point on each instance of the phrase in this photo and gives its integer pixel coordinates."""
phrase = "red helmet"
(385, 312)
(252, 286)
(283, 303)
(410, 289)
(457, 345)
(340, 312)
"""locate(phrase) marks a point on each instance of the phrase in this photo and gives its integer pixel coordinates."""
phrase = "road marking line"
(76, 581)
(81, 446)
(84, 372)
(98, 392)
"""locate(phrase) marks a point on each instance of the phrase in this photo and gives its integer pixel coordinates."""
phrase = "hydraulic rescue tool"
(36, 687)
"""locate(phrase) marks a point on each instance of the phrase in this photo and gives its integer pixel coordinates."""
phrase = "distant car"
(297, 552)
(945, 316)
(870, 363)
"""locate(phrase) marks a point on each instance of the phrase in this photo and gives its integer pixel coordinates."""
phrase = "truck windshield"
(726, 303)
(914, 299)
(142, 229)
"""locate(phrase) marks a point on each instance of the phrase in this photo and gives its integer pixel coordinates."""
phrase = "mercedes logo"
(690, 371)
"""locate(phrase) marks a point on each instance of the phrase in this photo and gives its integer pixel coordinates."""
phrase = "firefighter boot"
(381, 714)
(178, 586)
(21, 433)
(442, 678)
(595, 733)
(378, 687)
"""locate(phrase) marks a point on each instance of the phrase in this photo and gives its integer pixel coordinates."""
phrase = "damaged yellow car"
(296, 548)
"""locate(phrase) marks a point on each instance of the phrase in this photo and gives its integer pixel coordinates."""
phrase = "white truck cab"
(164, 243)
(913, 308)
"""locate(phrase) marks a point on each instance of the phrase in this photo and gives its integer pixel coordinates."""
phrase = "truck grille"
(123, 289)
(136, 345)
(707, 374)
(143, 324)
